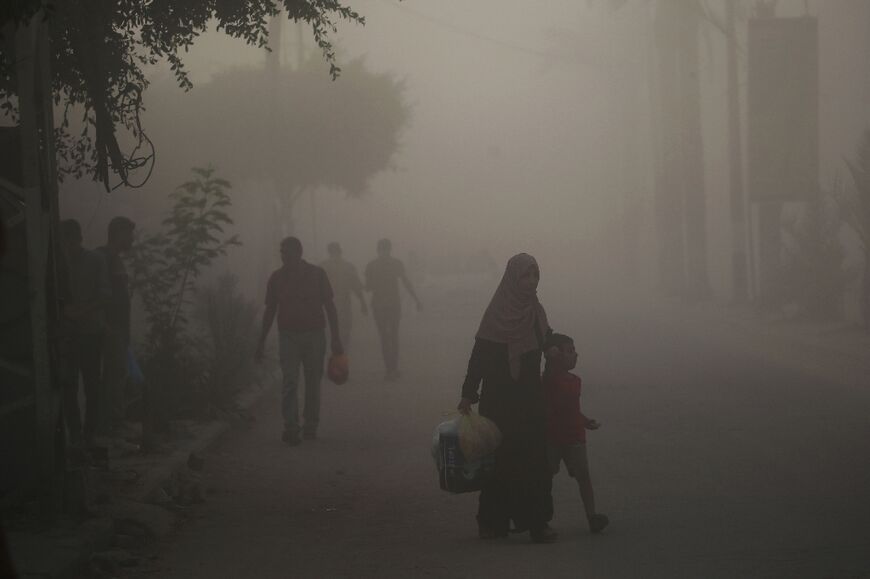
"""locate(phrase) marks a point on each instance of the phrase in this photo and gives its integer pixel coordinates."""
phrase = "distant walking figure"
(345, 282)
(382, 280)
(299, 293)
(507, 358)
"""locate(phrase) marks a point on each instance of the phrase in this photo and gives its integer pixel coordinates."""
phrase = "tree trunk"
(668, 183)
(692, 153)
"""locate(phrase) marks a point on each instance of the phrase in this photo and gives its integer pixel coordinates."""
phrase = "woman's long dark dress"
(521, 485)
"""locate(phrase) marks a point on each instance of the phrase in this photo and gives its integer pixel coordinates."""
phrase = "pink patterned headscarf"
(515, 317)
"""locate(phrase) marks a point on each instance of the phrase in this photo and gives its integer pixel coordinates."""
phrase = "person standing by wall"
(117, 315)
(88, 293)
(382, 280)
(299, 294)
(345, 282)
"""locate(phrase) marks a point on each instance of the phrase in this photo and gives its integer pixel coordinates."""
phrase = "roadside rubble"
(131, 501)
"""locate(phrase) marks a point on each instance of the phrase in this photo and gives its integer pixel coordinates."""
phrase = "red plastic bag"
(338, 370)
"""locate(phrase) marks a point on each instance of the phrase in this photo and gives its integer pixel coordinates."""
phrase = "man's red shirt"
(565, 423)
(299, 294)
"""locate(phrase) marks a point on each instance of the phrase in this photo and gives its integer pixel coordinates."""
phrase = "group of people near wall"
(304, 298)
(95, 330)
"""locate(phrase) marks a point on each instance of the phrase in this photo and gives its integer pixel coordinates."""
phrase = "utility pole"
(769, 213)
(669, 198)
(300, 62)
(621, 84)
(283, 199)
(740, 291)
(692, 152)
(38, 194)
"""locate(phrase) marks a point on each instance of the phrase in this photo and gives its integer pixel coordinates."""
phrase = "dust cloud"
(637, 149)
(528, 128)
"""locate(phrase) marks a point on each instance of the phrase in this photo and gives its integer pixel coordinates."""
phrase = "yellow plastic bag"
(478, 436)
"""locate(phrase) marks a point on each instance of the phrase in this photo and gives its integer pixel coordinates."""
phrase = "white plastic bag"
(456, 473)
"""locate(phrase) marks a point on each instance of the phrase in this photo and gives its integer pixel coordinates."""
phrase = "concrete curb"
(152, 480)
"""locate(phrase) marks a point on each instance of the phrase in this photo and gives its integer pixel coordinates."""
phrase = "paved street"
(711, 462)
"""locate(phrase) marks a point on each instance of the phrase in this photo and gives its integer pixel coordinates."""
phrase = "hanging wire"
(132, 100)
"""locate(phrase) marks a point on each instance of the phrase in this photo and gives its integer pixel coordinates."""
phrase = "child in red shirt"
(566, 424)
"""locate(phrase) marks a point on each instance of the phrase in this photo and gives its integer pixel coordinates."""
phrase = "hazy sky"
(510, 150)
(499, 139)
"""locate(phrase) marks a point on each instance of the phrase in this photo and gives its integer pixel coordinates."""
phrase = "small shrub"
(165, 268)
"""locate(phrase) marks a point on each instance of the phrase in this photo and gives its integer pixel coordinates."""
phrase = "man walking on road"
(382, 280)
(117, 337)
(345, 281)
(299, 293)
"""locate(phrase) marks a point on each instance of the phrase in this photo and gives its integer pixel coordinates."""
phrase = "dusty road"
(710, 463)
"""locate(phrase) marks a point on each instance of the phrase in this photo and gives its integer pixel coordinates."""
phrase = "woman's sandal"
(544, 535)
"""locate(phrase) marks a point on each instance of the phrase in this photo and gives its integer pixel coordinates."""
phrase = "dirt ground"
(711, 462)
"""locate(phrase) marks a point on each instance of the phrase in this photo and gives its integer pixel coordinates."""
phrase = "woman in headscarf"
(507, 359)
